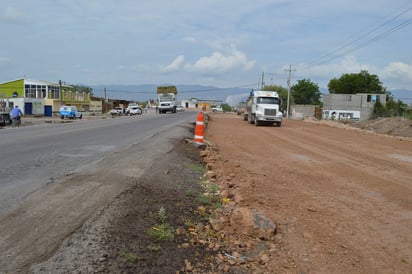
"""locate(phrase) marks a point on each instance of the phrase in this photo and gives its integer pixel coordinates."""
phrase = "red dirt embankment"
(341, 198)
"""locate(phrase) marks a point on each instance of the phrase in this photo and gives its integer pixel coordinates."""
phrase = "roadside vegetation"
(306, 92)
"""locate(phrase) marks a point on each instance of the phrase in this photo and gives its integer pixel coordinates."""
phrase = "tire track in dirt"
(342, 203)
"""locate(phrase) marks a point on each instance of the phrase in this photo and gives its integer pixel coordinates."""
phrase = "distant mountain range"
(231, 96)
(143, 93)
(403, 95)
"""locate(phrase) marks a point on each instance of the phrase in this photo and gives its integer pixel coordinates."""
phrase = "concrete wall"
(303, 111)
(358, 106)
(96, 106)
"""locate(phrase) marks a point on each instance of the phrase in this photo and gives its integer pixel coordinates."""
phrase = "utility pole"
(290, 74)
(105, 108)
(263, 81)
(61, 91)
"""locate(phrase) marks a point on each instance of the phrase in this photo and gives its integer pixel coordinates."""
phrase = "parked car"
(116, 111)
(70, 112)
(217, 109)
(134, 110)
(180, 109)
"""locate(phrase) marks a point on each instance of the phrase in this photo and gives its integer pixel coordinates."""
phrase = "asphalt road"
(36, 156)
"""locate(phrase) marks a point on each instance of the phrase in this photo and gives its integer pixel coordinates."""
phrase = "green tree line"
(306, 92)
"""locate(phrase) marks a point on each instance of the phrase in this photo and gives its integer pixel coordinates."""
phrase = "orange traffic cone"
(200, 129)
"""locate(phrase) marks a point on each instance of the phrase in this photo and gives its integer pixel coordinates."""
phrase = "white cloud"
(175, 65)
(398, 70)
(398, 74)
(12, 15)
(393, 75)
(325, 72)
(220, 62)
(4, 61)
(189, 39)
(196, 38)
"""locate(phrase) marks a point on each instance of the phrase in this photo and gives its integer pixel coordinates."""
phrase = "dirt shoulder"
(340, 197)
(118, 238)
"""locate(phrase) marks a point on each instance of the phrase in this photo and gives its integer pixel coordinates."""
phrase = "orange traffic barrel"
(200, 129)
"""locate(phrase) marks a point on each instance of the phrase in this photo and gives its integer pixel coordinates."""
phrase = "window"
(30, 91)
(43, 92)
(267, 100)
(54, 92)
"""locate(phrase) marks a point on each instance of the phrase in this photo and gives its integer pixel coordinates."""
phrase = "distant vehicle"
(5, 117)
(217, 109)
(180, 109)
(166, 99)
(116, 111)
(134, 110)
(70, 112)
(241, 109)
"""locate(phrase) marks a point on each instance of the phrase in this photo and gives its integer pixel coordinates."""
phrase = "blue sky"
(218, 43)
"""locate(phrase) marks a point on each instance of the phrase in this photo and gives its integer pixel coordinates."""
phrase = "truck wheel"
(250, 118)
(257, 123)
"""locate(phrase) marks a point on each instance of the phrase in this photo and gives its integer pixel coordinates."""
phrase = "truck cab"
(263, 107)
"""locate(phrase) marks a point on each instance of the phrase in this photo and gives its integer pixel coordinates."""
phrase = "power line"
(340, 51)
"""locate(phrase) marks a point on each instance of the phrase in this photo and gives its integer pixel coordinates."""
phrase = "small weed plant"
(197, 167)
(161, 231)
(153, 247)
(130, 256)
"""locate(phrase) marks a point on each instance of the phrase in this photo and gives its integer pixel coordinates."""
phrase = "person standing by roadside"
(16, 116)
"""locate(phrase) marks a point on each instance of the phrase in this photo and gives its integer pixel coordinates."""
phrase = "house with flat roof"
(195, 103)
(358, 107)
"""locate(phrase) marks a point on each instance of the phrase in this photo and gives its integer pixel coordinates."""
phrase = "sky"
(223, 43)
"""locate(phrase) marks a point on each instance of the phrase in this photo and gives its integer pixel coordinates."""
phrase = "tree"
(226, 108)
(82, 88)
(283, 94)
(305, 92)
(391, 109)
(353, 83)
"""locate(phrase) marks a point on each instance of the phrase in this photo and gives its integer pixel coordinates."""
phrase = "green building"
(37, 97)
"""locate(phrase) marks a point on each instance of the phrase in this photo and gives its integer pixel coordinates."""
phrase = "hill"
(185, 92)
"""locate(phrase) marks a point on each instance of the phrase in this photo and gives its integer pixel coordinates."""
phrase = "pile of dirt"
(395, 126)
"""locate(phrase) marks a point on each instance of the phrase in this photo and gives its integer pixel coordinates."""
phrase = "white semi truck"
(263, 107)
(166, 99)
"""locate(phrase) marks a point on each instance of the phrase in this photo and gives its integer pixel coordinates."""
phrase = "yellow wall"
(95, 106)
